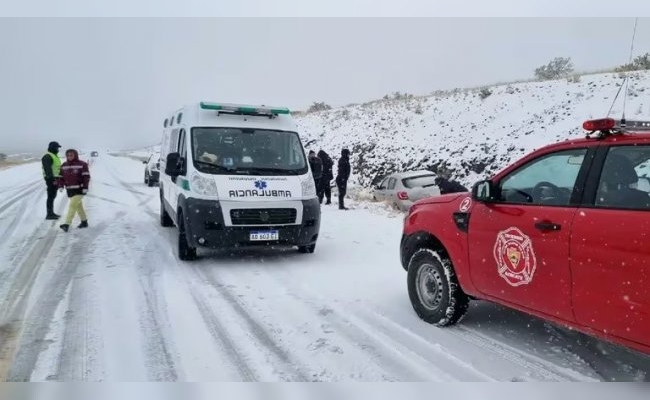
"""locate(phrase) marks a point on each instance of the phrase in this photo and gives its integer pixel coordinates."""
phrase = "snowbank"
(474, 138)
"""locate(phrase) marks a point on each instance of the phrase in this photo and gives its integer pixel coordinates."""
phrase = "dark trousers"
(325, 191)
(343, 188)
(317, 182)
(51, 195)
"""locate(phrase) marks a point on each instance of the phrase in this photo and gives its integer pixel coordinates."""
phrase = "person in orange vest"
(51, 164)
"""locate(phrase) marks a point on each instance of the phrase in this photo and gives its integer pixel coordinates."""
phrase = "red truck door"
(519, 245)
(610, 245)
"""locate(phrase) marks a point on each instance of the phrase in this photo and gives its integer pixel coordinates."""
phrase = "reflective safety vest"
(56, 165)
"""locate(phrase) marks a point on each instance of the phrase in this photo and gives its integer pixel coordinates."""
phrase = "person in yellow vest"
(51, 172)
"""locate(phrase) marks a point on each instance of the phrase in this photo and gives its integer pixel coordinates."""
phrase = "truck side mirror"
(173, 165)
(484, 191)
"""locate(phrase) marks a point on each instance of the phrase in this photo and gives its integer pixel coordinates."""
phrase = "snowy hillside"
(469, 136)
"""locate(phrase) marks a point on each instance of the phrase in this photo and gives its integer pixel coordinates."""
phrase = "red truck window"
(624, 180)
(548, 180)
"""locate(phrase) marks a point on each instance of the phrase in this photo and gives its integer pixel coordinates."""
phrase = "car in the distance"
(402, 189)
(152, 169)
(94, 154)
(561, 234)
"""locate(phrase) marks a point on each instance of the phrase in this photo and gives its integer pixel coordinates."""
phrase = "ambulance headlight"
(308, 188)
(204, 186)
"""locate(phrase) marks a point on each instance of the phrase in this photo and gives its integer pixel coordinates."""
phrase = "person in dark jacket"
(449, 186)
(342, 177)
(51, 165)
(75, 177)
(316, 166)
(325, 191)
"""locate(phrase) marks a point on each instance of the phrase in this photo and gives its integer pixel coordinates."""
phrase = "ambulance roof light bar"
(243, 109)
(608, 126)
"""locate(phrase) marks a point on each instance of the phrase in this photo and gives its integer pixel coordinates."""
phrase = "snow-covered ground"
(113, 303)
(471, 137)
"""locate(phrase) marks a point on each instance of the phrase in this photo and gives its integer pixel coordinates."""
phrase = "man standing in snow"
(316, 166)
(325, 190)
(449, 186)
(75, 177)
(342, 177)
(51, 164)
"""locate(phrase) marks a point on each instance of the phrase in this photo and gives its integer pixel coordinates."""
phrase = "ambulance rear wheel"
(165, 220)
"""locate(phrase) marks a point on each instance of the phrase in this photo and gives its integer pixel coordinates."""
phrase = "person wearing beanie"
(325, 191)
(342, 177)
(316, 166)
(51, 165)
(75, 177)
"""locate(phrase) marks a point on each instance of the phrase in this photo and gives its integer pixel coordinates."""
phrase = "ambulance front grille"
(263, 216)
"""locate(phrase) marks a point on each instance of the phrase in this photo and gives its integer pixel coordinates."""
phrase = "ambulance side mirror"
(173, 165)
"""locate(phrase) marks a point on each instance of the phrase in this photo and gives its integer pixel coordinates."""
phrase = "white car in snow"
(152, 169)
(404, 188)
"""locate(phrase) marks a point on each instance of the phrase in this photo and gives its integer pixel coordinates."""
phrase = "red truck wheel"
(435, 294)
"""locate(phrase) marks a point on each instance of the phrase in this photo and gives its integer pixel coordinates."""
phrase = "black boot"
(83, 224)
(65, 227)
(52, 216)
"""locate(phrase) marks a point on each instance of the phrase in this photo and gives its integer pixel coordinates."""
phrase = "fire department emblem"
(515, 257)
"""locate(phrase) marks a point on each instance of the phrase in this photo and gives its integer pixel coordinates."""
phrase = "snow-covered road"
(113, 303)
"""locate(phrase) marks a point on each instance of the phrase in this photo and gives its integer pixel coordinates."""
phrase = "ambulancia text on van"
(236, 175)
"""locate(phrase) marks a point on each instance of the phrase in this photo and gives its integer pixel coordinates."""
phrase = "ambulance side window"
(173, 143)
(182, 149)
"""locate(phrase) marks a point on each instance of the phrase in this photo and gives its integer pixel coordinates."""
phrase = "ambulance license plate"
(258, 236)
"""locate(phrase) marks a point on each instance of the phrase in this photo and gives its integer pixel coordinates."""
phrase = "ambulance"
(236, 175)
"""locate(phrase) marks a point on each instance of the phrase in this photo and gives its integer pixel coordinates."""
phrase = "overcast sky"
(109, 83)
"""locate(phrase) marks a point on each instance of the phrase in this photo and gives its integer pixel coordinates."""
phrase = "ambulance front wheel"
(185, 251)
(307, 249)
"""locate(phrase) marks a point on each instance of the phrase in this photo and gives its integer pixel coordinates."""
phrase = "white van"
(235, 175)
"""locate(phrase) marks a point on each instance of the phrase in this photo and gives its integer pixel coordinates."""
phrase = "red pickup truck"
(562, 234)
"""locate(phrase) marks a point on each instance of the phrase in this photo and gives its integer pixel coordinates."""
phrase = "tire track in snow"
(159, 362)
(80, 346)
(393, 332)
(20, 250)
(400, 359)
(210, 317)
(197, 284)
(19, 215)
(79, 337)
(31, 188)
(291, 368)
(220, 334)
(161, 365)
(544, 369)
(36, 324)
(14, 305)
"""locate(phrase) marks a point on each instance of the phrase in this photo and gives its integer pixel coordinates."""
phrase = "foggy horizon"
(109, 83)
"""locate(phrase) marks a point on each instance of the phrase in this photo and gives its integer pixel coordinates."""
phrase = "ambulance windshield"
(227, 151)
